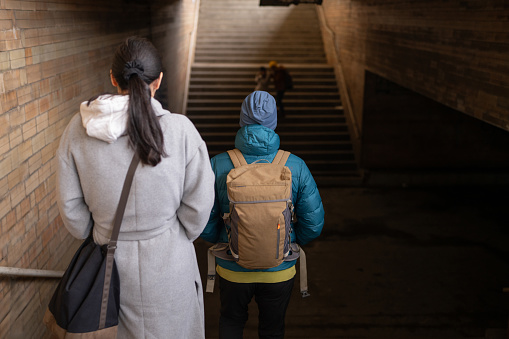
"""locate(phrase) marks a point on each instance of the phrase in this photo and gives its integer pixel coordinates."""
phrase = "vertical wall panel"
(454, 52)
(172, 32)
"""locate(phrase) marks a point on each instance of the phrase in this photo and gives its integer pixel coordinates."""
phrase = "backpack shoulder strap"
(281, 157)
(237, 157)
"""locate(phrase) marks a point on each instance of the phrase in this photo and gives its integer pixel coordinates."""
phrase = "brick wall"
(53, 55)
(454, 52)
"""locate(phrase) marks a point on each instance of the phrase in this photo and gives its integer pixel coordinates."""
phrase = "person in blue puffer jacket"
(272, 287)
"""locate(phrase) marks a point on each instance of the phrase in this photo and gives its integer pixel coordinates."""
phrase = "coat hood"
(106, 117)
(257, 140)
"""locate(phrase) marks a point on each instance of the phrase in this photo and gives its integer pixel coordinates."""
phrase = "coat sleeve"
(212, 229)
(71, 203)
(198, 194)
(308, 208)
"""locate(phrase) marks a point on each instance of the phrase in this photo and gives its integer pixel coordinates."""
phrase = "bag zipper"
(277, 243)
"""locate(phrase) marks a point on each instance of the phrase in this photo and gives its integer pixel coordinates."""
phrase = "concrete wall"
(173, 22)
(53, 55)
(403, 130)
(452, 52)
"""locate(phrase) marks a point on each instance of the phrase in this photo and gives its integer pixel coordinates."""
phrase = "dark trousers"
(272, 300)
(279, 102)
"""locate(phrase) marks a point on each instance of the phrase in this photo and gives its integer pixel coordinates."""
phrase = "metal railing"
(13, 272)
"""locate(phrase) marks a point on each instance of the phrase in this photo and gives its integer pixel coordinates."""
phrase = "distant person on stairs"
(271, 288)
(282, 82)
(262, 79)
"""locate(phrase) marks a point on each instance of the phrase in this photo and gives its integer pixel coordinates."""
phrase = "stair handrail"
(190, 56)
(29, 273)
(345, 97)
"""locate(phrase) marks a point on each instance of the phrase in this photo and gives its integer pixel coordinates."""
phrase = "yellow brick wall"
(53, 55)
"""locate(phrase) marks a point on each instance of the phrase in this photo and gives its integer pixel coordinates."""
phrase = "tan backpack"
(260, 197)
(261, 212)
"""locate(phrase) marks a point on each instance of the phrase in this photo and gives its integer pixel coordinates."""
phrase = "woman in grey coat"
(168, 206)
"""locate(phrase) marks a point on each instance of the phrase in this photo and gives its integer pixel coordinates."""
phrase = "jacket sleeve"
(71, 203)
(212, 230)
(198, 194)
(308, 208)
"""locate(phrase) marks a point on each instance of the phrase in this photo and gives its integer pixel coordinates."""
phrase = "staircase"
(234, 39)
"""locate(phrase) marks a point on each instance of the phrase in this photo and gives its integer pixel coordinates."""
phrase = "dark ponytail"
(136, 65)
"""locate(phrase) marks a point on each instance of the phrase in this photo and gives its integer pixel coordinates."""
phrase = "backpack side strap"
(237, 158)
(219, 250)
(281, 157)
(303, 270)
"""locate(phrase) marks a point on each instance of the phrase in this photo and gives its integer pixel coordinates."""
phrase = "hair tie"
(131, 68)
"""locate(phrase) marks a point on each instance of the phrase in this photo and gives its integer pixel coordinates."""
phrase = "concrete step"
(289, 102)
(216, 21)
(290, 111)
(254, 43)
(261, 46)
(301, 145)
(221, 77)
(227, 137)
(248, 88)
(225, 33)
(288, 95)
(266, 20)
(304, 118)
(291, 28)
(258, 59)
(298, 77)
(225, 42)
(238, 52)
(297, 74)
(245, 86)
(282, 127)
(301, 67)
(244, 81)
(291, 121)
(345, 156)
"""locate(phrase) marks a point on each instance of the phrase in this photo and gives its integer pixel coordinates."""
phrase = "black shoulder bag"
(87, 300)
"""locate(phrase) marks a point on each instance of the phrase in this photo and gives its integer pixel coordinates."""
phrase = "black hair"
(136, 64)
(263, 69)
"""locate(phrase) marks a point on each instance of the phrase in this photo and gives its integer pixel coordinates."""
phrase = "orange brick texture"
(454, 52)
(53, 56)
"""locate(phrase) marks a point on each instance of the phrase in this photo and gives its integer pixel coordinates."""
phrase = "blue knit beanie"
(260, 108)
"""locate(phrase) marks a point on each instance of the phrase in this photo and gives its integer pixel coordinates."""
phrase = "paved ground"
(400, 263)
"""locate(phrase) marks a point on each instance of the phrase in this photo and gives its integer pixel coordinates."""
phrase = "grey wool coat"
(168, 207)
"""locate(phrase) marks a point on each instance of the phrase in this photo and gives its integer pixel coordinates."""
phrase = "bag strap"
(281, 157)
(112, 245)
(237, 157)
(219, 250)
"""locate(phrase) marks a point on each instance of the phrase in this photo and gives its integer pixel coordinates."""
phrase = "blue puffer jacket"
(258, 142)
